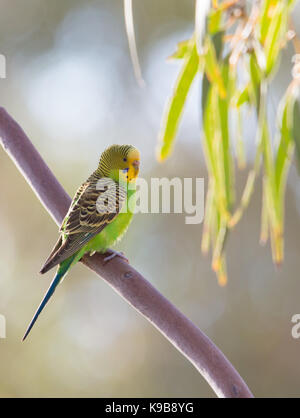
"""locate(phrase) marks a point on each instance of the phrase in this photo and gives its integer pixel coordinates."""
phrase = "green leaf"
(215, 21)
(273, 40)
(210, 208)
(284, 147)
(183, 49)
(212, 68)
(212, 143)
(243, 97)
(240, 148)
(218, 44)
(176, 104)
(296, 131)
(227, 159)
(265, 18)
(255, 80)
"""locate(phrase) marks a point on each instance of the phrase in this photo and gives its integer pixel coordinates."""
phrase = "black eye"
(124, 159)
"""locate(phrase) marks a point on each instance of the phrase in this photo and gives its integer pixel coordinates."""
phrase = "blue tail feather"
(61, 272)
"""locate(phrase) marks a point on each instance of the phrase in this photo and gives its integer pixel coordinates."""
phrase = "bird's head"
(120, 162)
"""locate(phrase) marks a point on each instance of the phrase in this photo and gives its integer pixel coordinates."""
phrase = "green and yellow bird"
(99, 215)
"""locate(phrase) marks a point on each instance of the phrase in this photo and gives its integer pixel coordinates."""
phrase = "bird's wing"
(96, 203)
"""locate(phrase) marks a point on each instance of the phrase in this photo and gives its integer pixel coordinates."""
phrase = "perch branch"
(124, 279)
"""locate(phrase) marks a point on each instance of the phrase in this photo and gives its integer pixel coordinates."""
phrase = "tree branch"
(124, 279)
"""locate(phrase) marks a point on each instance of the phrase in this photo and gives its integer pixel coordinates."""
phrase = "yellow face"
(129, 165)
(133, 164)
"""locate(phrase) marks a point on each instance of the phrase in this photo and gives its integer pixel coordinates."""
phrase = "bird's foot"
(113, 254)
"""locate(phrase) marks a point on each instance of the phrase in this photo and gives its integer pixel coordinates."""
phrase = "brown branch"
(124, 279)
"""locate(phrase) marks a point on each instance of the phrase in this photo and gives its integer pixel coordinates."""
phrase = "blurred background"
(70, 85)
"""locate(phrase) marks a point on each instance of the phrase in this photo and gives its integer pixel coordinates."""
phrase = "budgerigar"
(99, 215)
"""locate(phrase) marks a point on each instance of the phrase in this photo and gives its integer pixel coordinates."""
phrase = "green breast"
(114, 231)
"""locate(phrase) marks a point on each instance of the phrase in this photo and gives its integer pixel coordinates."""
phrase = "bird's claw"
(115, 254)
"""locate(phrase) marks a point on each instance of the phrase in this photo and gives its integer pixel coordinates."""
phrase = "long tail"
(60, 274)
